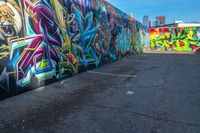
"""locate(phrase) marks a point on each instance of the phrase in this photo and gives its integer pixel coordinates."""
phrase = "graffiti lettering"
(47, 40)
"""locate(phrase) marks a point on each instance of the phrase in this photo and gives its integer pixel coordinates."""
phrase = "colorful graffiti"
(47, 40)
(175, 39)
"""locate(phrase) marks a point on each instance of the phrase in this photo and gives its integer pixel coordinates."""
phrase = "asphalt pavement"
(148, 93)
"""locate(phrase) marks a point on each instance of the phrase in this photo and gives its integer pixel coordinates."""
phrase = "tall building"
(161, 19)
(156, 23)
(149, 23)
(146, 21)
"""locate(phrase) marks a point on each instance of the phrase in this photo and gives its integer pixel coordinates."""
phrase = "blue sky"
(185, 10)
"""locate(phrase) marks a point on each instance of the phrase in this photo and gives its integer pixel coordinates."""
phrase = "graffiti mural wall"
(175, 38)
(42, 41)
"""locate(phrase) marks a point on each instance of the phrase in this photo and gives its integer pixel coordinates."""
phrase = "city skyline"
(187, 11)
(158, 21)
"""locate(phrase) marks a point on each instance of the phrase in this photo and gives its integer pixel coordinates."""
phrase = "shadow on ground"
(149, 93)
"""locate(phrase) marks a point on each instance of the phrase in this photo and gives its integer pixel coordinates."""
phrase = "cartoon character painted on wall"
(10, 25)
(10, 29)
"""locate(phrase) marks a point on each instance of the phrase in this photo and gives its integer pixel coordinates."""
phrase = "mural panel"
(42, 41)
(175, 39)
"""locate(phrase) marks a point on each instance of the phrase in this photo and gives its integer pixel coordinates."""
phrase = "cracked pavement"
(149, 93)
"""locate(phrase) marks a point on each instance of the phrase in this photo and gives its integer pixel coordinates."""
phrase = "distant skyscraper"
(161, 19)
(156, 23)
(149, 23)
(146, 21)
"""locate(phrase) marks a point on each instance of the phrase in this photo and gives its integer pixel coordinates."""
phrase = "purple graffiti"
(45, 25)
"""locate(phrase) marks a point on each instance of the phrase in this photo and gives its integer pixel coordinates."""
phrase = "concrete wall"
(175, 38)
(42, 41)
